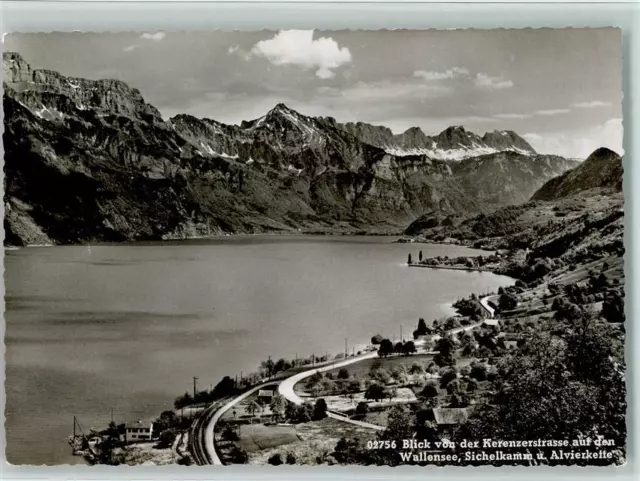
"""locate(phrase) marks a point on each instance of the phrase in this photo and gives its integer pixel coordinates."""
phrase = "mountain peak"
(280, 107)
(507, 139)
(601, 170)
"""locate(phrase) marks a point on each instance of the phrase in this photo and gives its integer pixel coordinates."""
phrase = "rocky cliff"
(90, 160)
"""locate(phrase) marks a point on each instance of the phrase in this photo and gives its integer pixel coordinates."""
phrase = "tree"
(422, 327)
(381, 375)
(472, 385)
(547, 392)
(224, 388)
(409, 348)
(613, 307)
(478, 372)
(447, 375)
(343, 373)
(253, 407)
(507, 301)
(362, 409)
(277, 406)
(386, 348)
(454, 387)
(416, 368)
(377, 339)
(167, 420)
(348, 451)
(275, 460)
(375, 392)
(399, 423)
(166, 438)
(319, 410)
(420, 256)
(430, 390)
(409, 260)
(397, 347)
(182, 401)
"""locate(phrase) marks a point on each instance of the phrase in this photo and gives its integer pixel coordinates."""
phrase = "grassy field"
(315, 441)
(257, 437)
(360, 370)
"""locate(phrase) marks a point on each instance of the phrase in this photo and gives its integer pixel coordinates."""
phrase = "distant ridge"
(91, 160)
(601, 170)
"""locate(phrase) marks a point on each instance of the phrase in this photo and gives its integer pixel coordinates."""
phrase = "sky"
(560, 89)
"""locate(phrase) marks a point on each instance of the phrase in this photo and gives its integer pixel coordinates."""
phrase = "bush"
(275, 460)
(374, 392)
(454, 387)
(386, 348)
(478, 372)
(507, 301)
(319, 410)
(446, 376)
(416, 368)
(430, 390)
(229, 434)
(472, 385)
(362, 409)
(343, 373)
(237, 455)
(409, 348)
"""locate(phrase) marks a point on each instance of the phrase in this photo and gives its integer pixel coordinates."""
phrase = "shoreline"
(454, 268)
(358, 233)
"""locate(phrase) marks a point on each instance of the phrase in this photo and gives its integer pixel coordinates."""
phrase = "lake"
(126, 327)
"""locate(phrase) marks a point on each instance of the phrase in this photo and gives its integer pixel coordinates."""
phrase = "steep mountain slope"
(573, 205)
(90, 160)
(507, 177)
(601, 170)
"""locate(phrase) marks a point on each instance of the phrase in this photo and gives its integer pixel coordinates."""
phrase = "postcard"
(303, 247)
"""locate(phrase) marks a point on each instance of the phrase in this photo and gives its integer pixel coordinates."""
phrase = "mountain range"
(568, 204)
(90, 160)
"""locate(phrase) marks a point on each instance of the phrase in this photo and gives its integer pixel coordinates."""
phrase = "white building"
(138, 431)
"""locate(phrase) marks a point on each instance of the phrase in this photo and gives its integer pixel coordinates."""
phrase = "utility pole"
(346, 349)
(194, 387)
(111, 415)
(401, 339)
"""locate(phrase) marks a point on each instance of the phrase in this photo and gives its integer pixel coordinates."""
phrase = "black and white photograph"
(314, 247)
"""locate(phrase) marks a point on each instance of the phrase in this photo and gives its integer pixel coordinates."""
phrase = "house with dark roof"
(138, 431)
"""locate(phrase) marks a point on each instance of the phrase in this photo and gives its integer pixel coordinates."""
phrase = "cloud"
(484, 81)
(130, 48)
(513, 116)
(579, 144)
(591, 105)
(297, 47)
(156, 37)
(430, 75)
(236, 50)
(552, 112)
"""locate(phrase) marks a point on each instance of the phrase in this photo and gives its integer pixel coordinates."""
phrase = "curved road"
(484, 302)
(204, 427)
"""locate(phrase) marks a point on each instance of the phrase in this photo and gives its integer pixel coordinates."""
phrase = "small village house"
(265, 394)
(138, 431)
